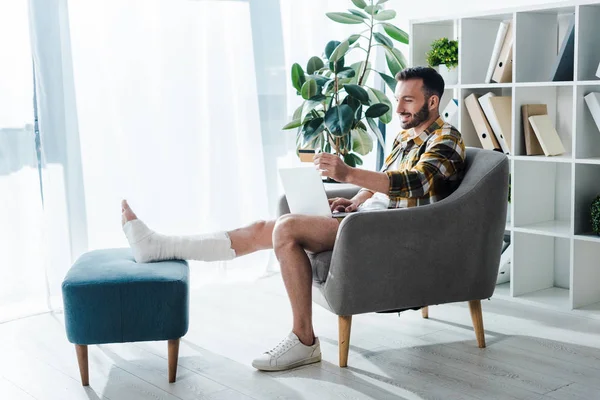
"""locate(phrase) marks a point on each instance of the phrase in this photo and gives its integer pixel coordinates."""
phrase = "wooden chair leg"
(173, 357)
(425, 312)
(477, 317)
(82, 360)
(344, 323)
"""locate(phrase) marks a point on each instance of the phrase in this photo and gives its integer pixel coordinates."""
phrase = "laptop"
(305, 192)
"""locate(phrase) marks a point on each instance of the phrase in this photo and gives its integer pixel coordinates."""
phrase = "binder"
(501, 120)
(593, 102)
(544, 130)
(450, 113)
(483, 129)
(503, 71)
(562, 70)
(532, 144)
(502, 29)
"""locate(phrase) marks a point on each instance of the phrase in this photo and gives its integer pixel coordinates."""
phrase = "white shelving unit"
(556, 258)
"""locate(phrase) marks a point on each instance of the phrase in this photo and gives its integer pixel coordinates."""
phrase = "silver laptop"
(305, 192)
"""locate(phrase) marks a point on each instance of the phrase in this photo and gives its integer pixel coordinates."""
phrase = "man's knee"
(286, 230)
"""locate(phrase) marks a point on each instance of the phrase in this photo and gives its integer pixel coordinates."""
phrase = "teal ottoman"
(109, 298)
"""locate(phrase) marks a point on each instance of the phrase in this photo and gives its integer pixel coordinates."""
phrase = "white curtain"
(22, 269)
(168, 118)
(154, 101)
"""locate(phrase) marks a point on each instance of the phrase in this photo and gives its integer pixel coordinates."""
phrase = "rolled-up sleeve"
(443, 159)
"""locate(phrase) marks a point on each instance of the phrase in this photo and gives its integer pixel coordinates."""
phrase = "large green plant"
(338, 105)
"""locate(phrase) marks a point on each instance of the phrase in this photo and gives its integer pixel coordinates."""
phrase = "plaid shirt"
(430, 168)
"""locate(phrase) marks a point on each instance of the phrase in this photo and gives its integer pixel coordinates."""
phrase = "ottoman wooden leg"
(173, 356)
(82, 359)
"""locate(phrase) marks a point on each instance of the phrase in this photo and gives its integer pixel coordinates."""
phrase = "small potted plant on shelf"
(444, 57)
(595, 212)
(339, 112)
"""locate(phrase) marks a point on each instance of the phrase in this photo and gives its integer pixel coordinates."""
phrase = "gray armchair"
(405, 258)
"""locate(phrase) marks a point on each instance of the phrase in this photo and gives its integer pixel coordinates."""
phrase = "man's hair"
(433, 83)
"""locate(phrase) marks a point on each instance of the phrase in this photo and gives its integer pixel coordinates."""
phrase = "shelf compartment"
(467, 129)
(423, 34)
(588, 133)
(478, 36)
(586, 273)
(588, 57)
(560, 105)
(541, 269)
(587, 187)
(539, 35)
(542, 197)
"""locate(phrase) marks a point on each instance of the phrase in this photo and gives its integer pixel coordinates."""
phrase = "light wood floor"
(532, 354)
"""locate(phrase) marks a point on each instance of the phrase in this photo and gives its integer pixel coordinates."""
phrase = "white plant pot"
(450, 75)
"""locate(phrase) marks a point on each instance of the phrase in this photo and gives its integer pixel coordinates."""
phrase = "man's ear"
(434, 102)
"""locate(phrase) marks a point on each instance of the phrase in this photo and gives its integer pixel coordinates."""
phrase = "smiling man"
(425, 165)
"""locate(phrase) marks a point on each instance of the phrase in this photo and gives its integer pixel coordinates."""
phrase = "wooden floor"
(532, 354)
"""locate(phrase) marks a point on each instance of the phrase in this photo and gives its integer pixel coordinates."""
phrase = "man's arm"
(440, 159)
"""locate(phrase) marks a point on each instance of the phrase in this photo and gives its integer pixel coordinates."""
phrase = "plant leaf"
(321, 80)
(292, 124)
(395, 60)
(310, 105)
(346, 72)
(358, 13)
(372, 9)
(391, 82)
(358, 93)
(339, 52)
(344, 18)
(353, 38)
(359, 3)
(297, 113)
(375, 129)
(377, 96)
(381, 2)
(330, 47)
(362, 142)
(385, 15)
(314, 64)
(395, 33)
(313, 128)
(309, 89)
(349, 160)
(298, 78)
(376, 110)
(339, 119)
(383, 39)
(352, 159)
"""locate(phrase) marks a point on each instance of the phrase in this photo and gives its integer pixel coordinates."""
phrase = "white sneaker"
(289, 353)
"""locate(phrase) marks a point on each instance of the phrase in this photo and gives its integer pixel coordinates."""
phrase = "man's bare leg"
(292, 236)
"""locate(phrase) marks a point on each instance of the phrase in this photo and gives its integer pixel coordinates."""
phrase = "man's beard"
(418, 118)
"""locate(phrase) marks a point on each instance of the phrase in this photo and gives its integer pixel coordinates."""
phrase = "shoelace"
(281, 348)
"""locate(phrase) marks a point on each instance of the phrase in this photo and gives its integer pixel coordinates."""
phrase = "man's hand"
(339, 204)
(332, 166)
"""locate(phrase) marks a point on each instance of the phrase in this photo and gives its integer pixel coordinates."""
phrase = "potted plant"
(339, 111)
(444, 56)
(595, 213)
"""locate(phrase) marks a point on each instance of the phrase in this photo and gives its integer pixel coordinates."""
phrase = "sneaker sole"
(300, 363)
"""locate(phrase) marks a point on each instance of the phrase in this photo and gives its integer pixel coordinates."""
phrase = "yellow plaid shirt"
(430, 168)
